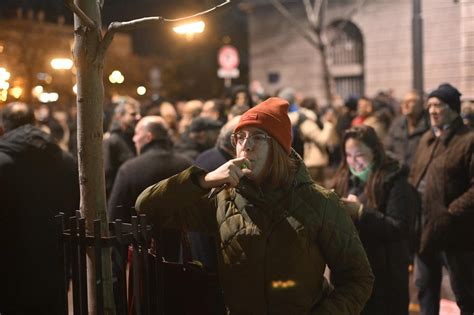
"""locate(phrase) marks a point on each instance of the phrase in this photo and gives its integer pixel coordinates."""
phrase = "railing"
(75, 244)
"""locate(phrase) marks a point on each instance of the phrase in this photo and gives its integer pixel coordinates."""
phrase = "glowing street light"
(37, 90)
(61, 63)
(48, 97)
(16, 92)
(116, 77)
(4, 85)
(3, 95)
(141, 90)
(190, 28)
(74, 88)
(4, 74)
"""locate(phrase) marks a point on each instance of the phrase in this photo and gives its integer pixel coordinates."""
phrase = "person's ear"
(148, 137)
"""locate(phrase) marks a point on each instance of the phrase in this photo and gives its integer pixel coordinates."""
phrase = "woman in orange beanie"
(276, 230)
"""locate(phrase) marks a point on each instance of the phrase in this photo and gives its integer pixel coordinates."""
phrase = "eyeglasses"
(256, 139)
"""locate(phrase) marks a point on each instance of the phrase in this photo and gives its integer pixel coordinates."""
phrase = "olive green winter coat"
(273, 246)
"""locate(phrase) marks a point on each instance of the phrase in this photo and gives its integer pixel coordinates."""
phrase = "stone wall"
(386, 26)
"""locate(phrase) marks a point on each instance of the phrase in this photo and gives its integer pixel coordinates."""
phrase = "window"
(346, 58)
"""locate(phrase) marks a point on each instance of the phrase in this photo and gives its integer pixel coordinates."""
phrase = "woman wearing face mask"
(380, 201)
(276, 230)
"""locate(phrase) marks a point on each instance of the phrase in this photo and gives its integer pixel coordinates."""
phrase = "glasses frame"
(234, 140)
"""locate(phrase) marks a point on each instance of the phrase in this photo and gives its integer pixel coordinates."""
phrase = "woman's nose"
(248, 144)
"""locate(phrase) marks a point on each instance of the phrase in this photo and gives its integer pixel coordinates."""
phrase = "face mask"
(362, 175)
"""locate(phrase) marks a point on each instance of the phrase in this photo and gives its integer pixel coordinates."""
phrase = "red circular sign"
(228, 57)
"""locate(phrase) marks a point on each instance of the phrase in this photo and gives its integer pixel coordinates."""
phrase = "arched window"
(346, 58)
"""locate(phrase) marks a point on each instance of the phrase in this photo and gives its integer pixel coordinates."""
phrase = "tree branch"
(84, 18)
(319, 12)
(144, 22)
(310, 12)
(297, 25)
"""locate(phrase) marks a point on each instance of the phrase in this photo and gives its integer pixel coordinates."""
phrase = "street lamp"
(61, 63)
(48, 97)
(116, 77)
(141, 90)
(37, 90)
(3, 95)
(16, 92)
(190, 28)
(4, 74)
(4, 85)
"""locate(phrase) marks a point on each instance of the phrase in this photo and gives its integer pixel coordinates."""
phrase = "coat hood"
(29, 141)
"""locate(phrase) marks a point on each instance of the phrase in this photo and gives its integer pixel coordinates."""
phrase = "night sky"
(228, 26)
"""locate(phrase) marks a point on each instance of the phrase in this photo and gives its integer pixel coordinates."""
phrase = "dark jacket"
(202, 245)
(118, 148)
(212, 158)
(156, 162)
(37, 180)
(401, 145)
(273, 245)
(189, 148)
(385, 234)
(444, 171)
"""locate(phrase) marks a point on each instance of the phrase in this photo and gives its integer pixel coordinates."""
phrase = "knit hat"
(271, 116)
(449, 95)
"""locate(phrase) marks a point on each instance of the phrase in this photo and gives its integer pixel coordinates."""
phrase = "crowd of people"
(277, 189)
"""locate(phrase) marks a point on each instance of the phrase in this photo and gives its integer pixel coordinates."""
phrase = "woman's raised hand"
(228, 173)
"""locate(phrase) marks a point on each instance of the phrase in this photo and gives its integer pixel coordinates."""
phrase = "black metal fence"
(152, 285)
(75, 244)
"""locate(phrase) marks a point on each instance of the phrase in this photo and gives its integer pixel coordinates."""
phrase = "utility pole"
(417, 40)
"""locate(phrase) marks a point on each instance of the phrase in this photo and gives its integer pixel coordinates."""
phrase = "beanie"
(449, 95)
(271, 116)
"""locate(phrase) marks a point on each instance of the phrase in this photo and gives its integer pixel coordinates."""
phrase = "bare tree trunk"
(327, 77)
(90, 97)
(315, 15)
(89, 53)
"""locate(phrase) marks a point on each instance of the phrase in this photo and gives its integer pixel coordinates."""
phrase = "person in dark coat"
(156, 160)
(37, 181)
(378, 198)
(118, 144)
(406, 130)
(443, 173)
(201, 135)
(202, 245)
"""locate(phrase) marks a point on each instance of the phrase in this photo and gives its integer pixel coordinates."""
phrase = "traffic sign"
(228, 57)
(228, 74)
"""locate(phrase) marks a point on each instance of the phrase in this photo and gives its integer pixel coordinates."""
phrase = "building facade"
(369, 45)
(28, 44)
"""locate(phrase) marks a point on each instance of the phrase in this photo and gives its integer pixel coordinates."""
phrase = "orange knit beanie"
(271, 116)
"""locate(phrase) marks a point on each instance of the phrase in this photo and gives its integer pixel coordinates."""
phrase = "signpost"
(228, 59)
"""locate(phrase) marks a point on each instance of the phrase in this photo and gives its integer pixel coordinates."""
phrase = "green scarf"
(364, 174)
